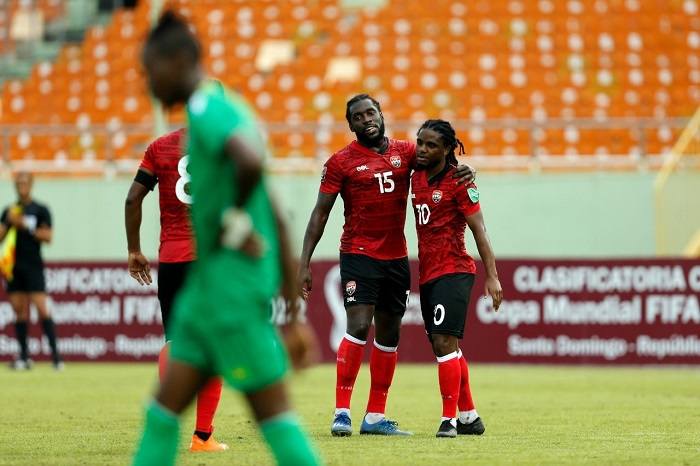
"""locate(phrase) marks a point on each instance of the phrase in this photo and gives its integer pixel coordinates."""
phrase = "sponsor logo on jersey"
(473, 194)
(350, 288)
(323, 173)
(395, 161)
(362, 168)
(437, 196)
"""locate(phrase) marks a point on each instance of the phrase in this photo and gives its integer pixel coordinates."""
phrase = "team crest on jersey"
(350, 287)
(437, 196)
(395, 161)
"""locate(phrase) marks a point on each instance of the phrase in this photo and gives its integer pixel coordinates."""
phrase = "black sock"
(50, 332)
(202, 435)
(21, 335)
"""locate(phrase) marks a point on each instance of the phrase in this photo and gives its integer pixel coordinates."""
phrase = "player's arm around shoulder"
(475, 221)
(465, 174)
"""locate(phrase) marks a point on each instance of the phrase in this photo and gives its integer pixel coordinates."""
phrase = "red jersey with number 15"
(164, 158)
(374, 188)
(441, 208)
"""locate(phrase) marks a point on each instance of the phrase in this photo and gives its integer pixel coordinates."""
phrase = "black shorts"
(444, 303)
(171, 277)
(383, 283)
(27, 280)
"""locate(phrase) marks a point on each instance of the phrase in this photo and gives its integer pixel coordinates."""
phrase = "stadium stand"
(567, 81)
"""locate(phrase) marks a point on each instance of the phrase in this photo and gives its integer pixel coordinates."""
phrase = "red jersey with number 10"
(441, 207)
(374, 188)
(165, 160)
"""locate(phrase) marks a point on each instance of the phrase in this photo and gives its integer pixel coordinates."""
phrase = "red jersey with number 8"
(164, 158)
(374, 188)
(441, 207)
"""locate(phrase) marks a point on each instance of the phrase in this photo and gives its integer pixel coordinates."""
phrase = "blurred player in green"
(221, 323)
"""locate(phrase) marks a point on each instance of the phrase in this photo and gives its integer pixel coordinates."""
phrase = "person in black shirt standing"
(32, 222)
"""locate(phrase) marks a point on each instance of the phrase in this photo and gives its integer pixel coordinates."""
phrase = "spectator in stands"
(27, 224)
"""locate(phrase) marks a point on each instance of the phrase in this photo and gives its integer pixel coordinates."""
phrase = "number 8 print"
(183, 181)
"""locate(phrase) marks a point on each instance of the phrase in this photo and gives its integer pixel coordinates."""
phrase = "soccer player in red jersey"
(165, 165)
(372, 175)
(442, 212)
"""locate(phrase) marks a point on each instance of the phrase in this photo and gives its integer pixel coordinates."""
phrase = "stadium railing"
(100, 149)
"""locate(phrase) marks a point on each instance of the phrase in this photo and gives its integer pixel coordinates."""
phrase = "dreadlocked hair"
(171, 36)
(448, 136)
(358, 98)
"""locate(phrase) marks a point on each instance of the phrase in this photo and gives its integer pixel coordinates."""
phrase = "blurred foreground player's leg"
(171, 279)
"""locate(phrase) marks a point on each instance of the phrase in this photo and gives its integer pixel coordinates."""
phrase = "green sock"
(160, 437)
(288, 442)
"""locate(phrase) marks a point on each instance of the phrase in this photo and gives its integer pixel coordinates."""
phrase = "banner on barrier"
(554, 311)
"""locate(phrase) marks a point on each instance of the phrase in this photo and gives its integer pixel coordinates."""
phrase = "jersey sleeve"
(468, 199)
(332, 176)
(148, 162)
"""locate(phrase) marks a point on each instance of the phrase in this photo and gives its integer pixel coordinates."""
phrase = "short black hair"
(448, 136)
(172, 36)
(358, 98)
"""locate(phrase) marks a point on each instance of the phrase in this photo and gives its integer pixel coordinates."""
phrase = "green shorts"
(230, 337)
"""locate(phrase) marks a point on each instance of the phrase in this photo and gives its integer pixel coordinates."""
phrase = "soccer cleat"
(446, 430)
(58, 366)
(342, 425)
(209, 445)
(21, 364)
(383, 427)
(473, 428)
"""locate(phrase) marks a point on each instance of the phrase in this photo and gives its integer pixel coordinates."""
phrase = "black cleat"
(473, 428)
(446, 430)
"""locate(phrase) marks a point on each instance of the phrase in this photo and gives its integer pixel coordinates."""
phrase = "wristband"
(237, 227)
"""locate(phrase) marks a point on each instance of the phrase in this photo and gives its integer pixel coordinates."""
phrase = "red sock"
(466, 403)
(207, 402)
(449, 375)
(163, 360)
(348, 364)
(381, 367)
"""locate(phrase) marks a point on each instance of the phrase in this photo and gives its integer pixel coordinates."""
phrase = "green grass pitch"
(91, 414)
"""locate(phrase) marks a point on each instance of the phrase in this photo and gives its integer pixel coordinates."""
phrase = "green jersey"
(214, 115)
